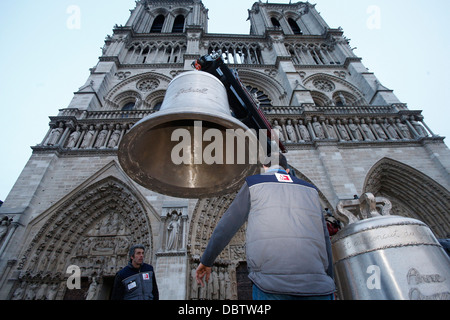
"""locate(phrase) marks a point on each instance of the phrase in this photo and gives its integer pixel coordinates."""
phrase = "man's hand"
(201, 272)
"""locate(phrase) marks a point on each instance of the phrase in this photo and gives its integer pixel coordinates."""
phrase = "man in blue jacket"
(137, 280)
(287, 242)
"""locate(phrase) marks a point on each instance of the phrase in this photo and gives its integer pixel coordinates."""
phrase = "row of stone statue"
(298, 131)
(219, 287)
(100, 136)
(37, 290)
(108, 136)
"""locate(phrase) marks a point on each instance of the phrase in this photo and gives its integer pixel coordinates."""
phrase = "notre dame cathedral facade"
(345, 132)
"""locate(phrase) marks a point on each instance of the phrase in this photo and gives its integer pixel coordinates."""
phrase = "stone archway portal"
(92, 230)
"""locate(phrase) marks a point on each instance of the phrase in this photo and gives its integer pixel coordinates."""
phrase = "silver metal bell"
(383, 257)
(192, 147)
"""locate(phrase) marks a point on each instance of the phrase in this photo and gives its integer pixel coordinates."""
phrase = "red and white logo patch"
(283, 177)
(145, 276)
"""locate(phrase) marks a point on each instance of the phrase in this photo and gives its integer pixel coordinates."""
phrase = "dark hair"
(273, 159)
(133, 248)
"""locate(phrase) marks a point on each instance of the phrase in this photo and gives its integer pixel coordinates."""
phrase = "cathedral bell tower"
(168, 16)
(299, 36)
(157, 33)
(292, 19)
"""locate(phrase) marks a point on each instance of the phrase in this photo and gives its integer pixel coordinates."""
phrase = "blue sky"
(45, 57)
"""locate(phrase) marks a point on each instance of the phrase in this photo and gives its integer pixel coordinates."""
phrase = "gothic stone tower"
(345, 132)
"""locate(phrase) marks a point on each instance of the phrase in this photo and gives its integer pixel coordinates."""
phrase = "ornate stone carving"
(174, 225)
(147, 85)
(92, 230)
(122, 75)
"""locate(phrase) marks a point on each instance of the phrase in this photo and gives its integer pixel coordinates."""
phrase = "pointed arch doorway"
(412, 193)
(92, 230)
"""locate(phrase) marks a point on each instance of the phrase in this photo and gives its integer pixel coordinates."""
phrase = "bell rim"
(153, 184)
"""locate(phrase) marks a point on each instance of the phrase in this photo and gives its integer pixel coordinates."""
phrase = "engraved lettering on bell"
(324, 85)
(415, 277)
(191, 90)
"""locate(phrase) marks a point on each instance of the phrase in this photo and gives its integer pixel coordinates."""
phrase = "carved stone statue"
(419, 129)
(173, 230)
(342, 131)
(19, 292)
(292, 137)
(88, 138)
(41, 294)
(73, 139)
(318, 130)
(101, 137)
(330, 130)
(194, 284)
(367, 131)
(391, 130)
(279, 131)
(215, 284)
(227, 286)
(30, 294)
(52, 291)
(92, 291)
(221, 284)
(114, 137)
(404, 129)
(4, 226)
(55, 135)
(304, 131)
(355, 130)
(380, 132)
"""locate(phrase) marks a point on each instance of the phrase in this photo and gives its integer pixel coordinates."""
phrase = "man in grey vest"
(137, 280)
(287, 243)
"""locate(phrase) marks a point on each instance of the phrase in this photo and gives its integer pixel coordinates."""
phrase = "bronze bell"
(193, 147)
